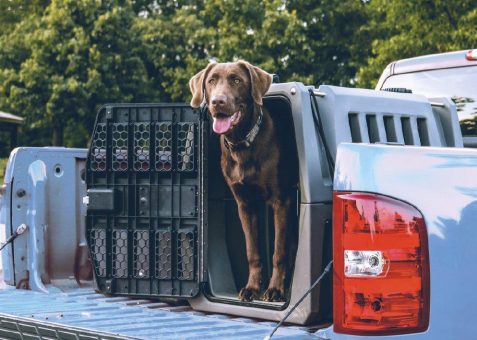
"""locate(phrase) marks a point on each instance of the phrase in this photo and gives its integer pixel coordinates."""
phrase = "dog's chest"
(248, 178)
(238, 171)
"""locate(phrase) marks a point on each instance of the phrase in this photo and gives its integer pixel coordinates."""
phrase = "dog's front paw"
(248, 294)
(273, 294)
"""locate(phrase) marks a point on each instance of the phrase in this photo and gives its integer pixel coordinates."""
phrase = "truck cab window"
(457, 83)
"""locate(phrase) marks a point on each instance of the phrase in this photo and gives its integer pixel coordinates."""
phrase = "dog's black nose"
(218, 100)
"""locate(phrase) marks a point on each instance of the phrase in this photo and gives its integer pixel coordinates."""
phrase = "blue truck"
(138, 237)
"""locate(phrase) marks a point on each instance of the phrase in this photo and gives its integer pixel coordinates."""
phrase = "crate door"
(143, 222)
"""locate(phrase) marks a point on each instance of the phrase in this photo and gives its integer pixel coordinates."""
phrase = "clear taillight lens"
(363, 263)
(381, 266)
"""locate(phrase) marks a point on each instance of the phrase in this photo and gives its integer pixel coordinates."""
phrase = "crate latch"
(99, 200)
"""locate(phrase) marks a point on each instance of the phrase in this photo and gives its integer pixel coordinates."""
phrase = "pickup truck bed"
(81, 313)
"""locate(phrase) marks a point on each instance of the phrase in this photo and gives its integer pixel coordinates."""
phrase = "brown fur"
(261, 171)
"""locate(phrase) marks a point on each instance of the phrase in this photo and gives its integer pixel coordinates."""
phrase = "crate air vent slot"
(120, 253)
(372, 124)
(390, 129)
(141, 254)
(98, 250)
(163, 255)
(353, 119)
(407, 131)
(164, 146)
(98, 148)
(423, 131)
(185, 147)
(142, 133)
(185, 255)
(119, 147)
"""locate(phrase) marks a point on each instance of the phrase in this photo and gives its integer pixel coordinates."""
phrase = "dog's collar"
(249, 138)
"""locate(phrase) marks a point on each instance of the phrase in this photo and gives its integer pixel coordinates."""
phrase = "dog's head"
(230, 91)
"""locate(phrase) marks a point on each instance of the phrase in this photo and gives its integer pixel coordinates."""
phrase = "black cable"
(325, 271)
(20, 230)
(321, 131)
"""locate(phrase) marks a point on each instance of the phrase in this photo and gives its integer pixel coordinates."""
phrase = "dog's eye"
(212, 81)
(237, 81)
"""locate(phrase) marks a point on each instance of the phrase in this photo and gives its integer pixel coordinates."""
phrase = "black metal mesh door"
(143, 181)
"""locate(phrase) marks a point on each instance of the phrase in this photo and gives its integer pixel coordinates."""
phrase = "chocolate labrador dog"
(253, 163)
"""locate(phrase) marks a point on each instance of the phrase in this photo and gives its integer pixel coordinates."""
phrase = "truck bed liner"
(81, 313)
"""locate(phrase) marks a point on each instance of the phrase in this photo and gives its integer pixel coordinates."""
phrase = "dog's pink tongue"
(222, 125)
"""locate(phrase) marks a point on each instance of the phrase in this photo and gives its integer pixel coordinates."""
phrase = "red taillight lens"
(381, 266)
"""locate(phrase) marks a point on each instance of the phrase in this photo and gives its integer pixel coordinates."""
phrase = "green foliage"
(3, 165)
(469, 127)
(58, 66)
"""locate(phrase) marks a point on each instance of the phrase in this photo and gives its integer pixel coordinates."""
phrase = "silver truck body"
(442, 184)
(43, 189)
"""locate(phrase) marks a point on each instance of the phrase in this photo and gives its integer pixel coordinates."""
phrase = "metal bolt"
(21, 192)
(293, 90)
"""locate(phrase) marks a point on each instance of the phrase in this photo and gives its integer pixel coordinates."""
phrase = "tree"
(469, 127)
(308, 41)
(56, 67)
(14, 11)
(404, 29)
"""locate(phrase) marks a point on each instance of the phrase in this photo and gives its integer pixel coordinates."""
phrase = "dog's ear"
(260, 81)
(197, 86)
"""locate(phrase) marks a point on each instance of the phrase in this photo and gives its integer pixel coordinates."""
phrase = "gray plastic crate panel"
(83, 314)
(368, 116)
(445, 112)
(144, 157)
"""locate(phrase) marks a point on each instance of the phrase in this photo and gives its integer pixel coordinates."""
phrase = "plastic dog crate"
(143, 179)
(161, 222)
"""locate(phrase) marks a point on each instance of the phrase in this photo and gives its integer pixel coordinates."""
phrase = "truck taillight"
(471, 55)
(381, 266)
